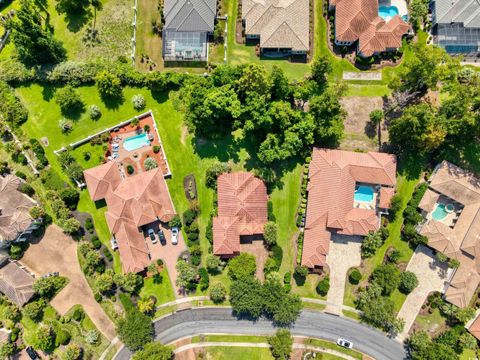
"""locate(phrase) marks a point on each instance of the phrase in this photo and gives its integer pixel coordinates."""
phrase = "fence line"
(134, 38)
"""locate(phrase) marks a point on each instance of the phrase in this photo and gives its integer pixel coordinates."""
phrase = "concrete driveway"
(169, 253)
(58, 252)
(344, 254)
(431, 275)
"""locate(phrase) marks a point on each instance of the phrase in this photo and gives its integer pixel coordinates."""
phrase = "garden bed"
(190, 187)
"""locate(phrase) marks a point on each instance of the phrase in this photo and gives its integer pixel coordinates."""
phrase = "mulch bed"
(190, 187)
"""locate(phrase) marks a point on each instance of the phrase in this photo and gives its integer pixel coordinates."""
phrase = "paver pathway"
(58, 252)
(431, 275)
(344, 254)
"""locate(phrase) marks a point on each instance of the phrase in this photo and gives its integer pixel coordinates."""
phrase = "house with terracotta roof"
(242, 212)
(451, 208)
(375, 29)
(281, 27)
(133, 202)
(347, 193)
(15, 220)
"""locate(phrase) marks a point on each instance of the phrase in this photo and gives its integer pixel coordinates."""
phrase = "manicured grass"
(237, 353)
(162, 291)
(468, 354)
(229, 338)
(147, 42)
(351, 314)
(368, 90)
(432, 323)
(329, 345)
(308, 290)
(165, 311)
(314, 306)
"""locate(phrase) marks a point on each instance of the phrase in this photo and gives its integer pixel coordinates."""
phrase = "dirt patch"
(184, 134)
(359, 132)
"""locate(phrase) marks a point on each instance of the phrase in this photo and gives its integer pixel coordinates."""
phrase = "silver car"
(175, 235)
(345, 343)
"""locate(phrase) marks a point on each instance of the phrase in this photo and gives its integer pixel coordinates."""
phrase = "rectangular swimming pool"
(136, 142)
(363, 193)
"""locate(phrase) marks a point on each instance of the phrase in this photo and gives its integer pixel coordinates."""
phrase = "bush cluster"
(39, 153)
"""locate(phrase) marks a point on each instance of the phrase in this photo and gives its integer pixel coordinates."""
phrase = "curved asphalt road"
(312, 324)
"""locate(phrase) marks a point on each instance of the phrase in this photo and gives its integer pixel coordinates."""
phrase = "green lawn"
(229, 338)
(162, 291)
(368, 90)
(238, 353)
(432, 323)
(308, 289)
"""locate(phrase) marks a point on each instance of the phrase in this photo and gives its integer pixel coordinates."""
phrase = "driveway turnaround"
(344, 254)
(431, 275)
(58, 252)
(218, 320)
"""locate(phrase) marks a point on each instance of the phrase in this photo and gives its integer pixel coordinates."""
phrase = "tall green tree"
(281, 344)
(35, 45)
(154, 351)
(281, 89)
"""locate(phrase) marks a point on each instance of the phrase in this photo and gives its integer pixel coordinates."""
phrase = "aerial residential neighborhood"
(240, 179)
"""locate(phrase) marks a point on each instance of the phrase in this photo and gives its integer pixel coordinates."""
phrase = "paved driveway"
(344, 254)
(431, 275)
(58, 252)
(168, 253)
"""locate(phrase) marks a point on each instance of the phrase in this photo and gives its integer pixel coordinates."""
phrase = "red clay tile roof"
(242, 210)
(359, 20)
(475, 327)
(138, 200)
(102, 179)
(332, 178)
(386, 194)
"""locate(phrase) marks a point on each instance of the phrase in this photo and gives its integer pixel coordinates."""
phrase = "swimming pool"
(363, 193)
(387, 12)
(441, 211)
(136, 142)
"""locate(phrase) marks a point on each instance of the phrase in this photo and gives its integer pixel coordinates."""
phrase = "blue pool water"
(363, 193)
(136, 142)
(441, 211)
(387, 12)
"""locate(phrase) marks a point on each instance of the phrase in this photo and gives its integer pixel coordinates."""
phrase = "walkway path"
(344, 254)
(58, 252)
(310, 324)
(431, 275)
(259, 345)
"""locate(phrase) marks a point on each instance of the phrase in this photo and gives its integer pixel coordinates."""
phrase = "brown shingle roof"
(138, 200)
(462, 242)
(242, 210)
(14, 208)
(332, 178)
(280, 23)
(359, 20)
(15, 282)
(475, 327)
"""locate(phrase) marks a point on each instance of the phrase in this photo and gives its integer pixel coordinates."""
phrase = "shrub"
(65, 125)
(21, 175)
(281, 344)
(45, 337)
(92, 337)
(109, 85)
(150, 164)
(214, 171)
(70, 197)
(287, 278)
(78, 314)
(242, 266)
(72, 352)
(189, 216)
(270, 231)
(408, 282)
(355, 277)
(387, 277)
(301, 271)
(146, 128)
(395, 205)
(156, 149)
(62, 337)
(218, 292)
(12, 313)
(323, 286)
(370, 244)
(270, 266)
(48, 287)
(94, 112)
(204, 279)
(98, 297)
(107, 254)
(34, 310)
(26, 189)
(213, 263)
(138, 102)
(130, 169)
(16, 251)
(175, 222)
(154, 351)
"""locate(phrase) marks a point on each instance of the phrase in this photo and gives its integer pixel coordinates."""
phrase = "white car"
(345, 343)
(175, 235)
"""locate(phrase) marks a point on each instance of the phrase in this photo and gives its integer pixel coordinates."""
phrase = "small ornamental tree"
(45, 337)
(37, 212)
(301, 271)
(213, 263)
(355, 277)
(108, 84)
(150, 164)
(270, 231)
(323, 286)
(68, 99)
(138, 102)
(218, 292)
(387, 277)
(34, 310)
(281, 344)
(408, 282)
(72, 352)
(146, 305)
(94, 112)
(135, 330)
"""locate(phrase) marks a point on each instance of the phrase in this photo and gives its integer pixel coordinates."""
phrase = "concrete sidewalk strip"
(259, 345)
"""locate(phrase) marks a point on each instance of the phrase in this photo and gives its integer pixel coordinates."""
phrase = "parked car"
(151, 233)
(175, 235)
(32, 354)
(114, 243)
(161, 236)
(345, 343)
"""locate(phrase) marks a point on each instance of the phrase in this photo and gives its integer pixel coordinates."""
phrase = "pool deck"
(448, 220)
(137, 157)
(401, 5)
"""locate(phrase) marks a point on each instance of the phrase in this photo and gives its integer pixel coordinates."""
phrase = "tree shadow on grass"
(411, 165)
(78, 19)
(75, 112)
(113, 102)
(48, 91)
(299, 280)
